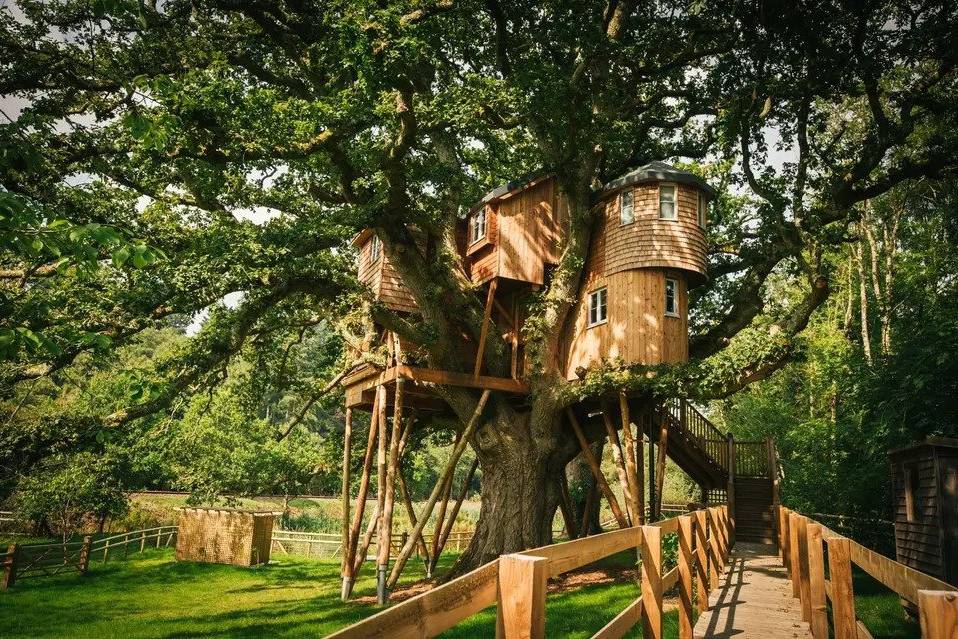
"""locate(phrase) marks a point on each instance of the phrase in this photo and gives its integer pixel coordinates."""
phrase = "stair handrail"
(706, 435)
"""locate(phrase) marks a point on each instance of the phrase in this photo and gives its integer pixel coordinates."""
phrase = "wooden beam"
(702, 563)
(521, 612)
(450, 378)
(440, 520)
(816, 582)
(347, 443)
(660, 463)
(686, 561)
(617, 457)
(411, 513)
(447, 529)
(596, 470)
(381, 472)
(514, 367)
(484, 333)
(590, 499)
(632, 472)
(434, 496)
(938, 614)
(651, 582)
(565, 505)
(842, 591)
(387, 531)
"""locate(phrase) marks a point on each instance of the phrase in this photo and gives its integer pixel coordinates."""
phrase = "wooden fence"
(807, 547)
(517, 583)
(21, 561)
(293, 542)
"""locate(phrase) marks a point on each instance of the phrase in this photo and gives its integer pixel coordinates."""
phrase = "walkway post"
(521, 611)
(730, 490)
(816, 582)
(685, 577)
(938, 611)
(702, 565)
(651, 542)
(843, 593)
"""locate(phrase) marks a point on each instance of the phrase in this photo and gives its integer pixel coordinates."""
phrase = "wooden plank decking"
(754, 599)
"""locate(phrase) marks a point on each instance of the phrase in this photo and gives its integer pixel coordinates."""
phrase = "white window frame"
(375, 249)
(622, 217)
(675, 297)
(479, 226)
(675, 202)
(598, 306)
(703, 210)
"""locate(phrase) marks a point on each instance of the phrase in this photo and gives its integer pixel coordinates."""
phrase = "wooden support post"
(411, 513)
(779, 514)
(596, 470)
(686, 561)
(803, 566)
(652, 467)
(434, 496)
(521, 613)
(447, 529)
(773, 472)
(617, 457)
(440, 521)
(565, 505)
(793, 559)
(514, 364)
(347, 444)
(702, 563)
(787, 541)
(639, 452)
(631, 473)
(371, 529)
(938, 613)
(660, 464)
(591, 497)
(484, 332)
(349, 560)
(10, 567)
(386, 532)
(816, 581)
(730, 492)
(842, 591)
(651, 542)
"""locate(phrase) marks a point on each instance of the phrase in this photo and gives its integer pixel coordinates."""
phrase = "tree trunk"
(520, 488)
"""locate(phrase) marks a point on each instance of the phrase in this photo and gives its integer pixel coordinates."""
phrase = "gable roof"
(658, 172)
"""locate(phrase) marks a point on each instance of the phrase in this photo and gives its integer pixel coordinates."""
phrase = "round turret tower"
(648, 248)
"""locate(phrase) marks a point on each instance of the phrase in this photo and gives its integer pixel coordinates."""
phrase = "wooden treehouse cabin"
(648, 249)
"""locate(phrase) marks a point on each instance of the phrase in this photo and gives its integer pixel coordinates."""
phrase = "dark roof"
(508, 187)
(658, 172)
(931, 442)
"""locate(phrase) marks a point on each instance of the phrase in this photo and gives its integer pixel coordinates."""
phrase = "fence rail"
(310, 544)
(517, 583)
(806, 546)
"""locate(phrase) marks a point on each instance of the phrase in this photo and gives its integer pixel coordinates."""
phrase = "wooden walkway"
(754, 599)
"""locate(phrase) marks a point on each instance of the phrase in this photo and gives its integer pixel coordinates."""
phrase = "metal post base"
(347, 588)
(382, 594)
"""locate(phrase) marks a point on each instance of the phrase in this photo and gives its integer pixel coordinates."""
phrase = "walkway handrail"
(705, 434)
(803, 543)
(517, 583)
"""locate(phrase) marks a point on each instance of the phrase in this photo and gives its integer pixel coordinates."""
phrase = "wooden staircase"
(704, 452)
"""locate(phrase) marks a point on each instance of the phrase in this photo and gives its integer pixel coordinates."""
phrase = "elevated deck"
(754, 600)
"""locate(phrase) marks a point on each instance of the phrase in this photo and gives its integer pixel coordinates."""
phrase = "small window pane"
(671, 305)
(597, 307)
(479, 225)
(626, 208)
(375, 249)
(667, 202)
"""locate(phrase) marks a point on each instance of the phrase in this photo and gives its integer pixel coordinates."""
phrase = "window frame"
(702, 212)
(675, 298)
(475, 237)
(912, 483)
(631, 194)
(375, 249)
(675, 201)
(601, 297)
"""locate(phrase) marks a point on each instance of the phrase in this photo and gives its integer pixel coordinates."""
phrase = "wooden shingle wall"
(917, 541)
(383, 280)
(653, 242)
(224, 536)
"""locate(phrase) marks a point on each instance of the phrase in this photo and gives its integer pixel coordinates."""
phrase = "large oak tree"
(176, 122)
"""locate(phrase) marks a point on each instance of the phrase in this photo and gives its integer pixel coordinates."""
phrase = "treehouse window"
(703, 209)
(671, 300)
(479, 225)
(667, 209)
(626, 209)
(375, 249)
(597, 307)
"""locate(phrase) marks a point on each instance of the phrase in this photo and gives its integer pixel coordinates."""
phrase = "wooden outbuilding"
(224, 536)
(925, 507)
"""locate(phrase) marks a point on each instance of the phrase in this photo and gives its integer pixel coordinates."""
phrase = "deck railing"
(517, 583)
(807, 546)
(697, 427)
(324, 545)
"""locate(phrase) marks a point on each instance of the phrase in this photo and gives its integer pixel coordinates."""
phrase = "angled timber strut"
(648, 249)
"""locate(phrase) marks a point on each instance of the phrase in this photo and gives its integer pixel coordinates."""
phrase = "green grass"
(153, 596)
(880, 610)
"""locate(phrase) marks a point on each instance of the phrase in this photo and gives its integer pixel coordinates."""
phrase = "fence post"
(803, 568)
(816, 581)
(795, 571)
(159, 533)
(685, 577)
(10, 567)
(85, 554)
(142, 540)
(780, 514)
(521, 612)
(715, 554)
(651, 544)
(126, 545)
(106, 550)
(843, 593)
(702, 565)
(938, 611)
(730, 491)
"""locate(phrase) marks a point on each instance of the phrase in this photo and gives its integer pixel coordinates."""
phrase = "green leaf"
(120, 256)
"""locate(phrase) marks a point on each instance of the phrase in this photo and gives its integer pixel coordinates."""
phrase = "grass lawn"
(152, 595)
(880, 611)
